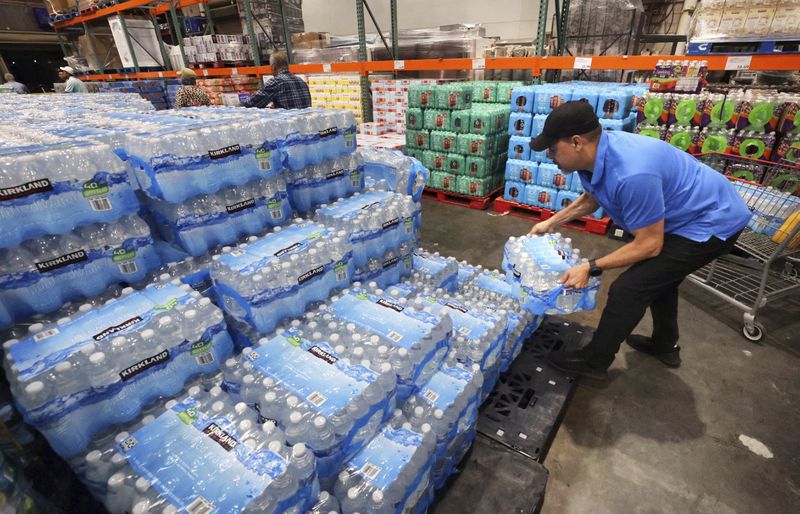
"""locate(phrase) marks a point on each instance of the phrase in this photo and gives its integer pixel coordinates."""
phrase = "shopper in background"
(284, 90)
(682, 214)
(190, 94)
(12, 85)
(71, 84)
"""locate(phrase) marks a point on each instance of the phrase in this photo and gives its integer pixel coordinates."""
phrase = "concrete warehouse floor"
(657, 439)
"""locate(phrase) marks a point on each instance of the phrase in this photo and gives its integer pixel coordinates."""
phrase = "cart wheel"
(754, 334)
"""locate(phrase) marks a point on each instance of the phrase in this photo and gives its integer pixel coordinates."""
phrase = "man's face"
(565, 154)
(63, 75)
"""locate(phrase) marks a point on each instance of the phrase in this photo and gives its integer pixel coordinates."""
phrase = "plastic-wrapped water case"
(78, 376)
(201, 453)
(276, 276)
(437, 271)
(375, 222)
(328, 399)
(206, 221)
(42, 274)
(392, 473)
(536, 263)
(414, 341)
(319, 184)
(50, 185)
(392, 171)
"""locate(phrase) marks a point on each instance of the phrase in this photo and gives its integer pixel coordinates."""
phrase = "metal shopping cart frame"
(769, 269)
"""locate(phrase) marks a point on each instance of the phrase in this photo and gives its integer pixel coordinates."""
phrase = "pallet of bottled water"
(492, 289)
(326, 182)
(391, 170)
(199, 453)
(392, 473)
(75, 377)
(204, 222)
(376, 222)
(42, 274)
(327, 399)
(383, 328)
(536, 264)
(436, 271)
(278, 275)
(51, 185)
(448, 402)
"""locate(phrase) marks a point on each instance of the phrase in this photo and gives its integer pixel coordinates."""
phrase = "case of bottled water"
(436, 271)
(51, 185)
(392, 171)
(278, 275)
(201, 223)
(316, 392)
(199, 453)
(392, 473)
(375, 221)
(519, 148)
(395, 265)
(413, 341)
(537, 263)
(466, 272)
(448, 402)
(327, 182)
(79, 375)
(42, 274)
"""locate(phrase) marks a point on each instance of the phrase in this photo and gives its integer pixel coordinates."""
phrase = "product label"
(261, 252)
(390, 262)
(94, 188)
(275, 207)
(332, 131)
(26, 189)
(117, 328)
(391, 223)
(334, 174)
(308, 275)
(144, 365)
(224, 152)
(262, 158)
(386, 455)
(124, 258)
(185, 451)
(62, 261)
(241, 206)
(445, 386)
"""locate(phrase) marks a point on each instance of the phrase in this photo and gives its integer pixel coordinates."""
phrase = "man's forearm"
(583, 206)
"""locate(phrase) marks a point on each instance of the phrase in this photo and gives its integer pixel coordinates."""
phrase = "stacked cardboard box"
(390, 102)
(217, 48)
(242, 85)
(338, 91)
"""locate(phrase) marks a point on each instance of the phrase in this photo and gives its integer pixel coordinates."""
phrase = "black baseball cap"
(568, 119)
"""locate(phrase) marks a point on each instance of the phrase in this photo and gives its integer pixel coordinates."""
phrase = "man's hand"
(543, 227)
(576, 276)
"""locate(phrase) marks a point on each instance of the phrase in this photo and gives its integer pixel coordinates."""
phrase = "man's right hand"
(542, 227)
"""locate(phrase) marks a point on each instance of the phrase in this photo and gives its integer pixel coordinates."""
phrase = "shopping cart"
(766, 266)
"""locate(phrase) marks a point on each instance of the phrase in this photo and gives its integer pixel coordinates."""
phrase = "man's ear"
(577, 142)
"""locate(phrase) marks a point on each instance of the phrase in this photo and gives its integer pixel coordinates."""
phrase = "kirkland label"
(390, 262)
(60, 262)
(117, 328)
(26, 189)
(308, 275)
(332, 131)
(389, 305)
(224, 152)
(286, 250)
(143, 365)
(335, 174)
(319, 353)
(391, 223)
(221, 437)
(241, 206)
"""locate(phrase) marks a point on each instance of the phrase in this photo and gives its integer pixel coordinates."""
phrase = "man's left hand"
(576, 276)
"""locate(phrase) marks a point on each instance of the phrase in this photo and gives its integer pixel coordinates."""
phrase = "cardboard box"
(106, 57)
(309, 40)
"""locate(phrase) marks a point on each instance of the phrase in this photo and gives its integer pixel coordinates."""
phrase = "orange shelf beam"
(788, 62)
(161, 9)
(103, 13)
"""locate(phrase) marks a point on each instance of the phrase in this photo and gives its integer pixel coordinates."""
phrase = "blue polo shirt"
(640, 180)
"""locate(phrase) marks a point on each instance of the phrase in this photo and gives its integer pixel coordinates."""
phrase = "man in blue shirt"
(682, 214)
(284, 90)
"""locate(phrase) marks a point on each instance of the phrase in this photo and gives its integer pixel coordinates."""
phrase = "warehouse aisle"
(656, 439)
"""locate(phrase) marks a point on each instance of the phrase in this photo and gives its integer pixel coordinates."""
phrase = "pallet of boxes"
(462, 141)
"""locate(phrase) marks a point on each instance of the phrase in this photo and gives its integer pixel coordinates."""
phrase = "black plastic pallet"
(493, 479)
(525, 409)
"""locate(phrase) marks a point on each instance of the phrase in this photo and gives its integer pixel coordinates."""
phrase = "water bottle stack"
(323, 183)
(382, 228)
(531, 177)
(537, 263)
(230, 460)
(100, 367)
(392, 171)
(435, 271)
(461, 140)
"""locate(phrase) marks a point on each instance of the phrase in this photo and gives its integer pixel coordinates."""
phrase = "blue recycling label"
(386, 455)
(42, 351)
(312, 371)
(198, 462)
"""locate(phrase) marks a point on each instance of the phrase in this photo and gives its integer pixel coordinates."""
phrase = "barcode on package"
(394, 336)
(370, 470)
(431, 396)
(276, 214)
(264, 165)
(206, 358)
(45, 334)
(100, 204)
(341, 274)
(128, 267)
(317, 398)
(200, 506)
(464, 331)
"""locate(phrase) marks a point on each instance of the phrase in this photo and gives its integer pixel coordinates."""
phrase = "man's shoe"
(670, 357)
(574, 363)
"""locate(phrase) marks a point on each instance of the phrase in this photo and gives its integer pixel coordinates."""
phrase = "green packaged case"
(444, 181)
(484, 92)
(421, 95)
(453, 96)
(437, 119)
(438, 161)
(414, 119)
(455, 163)
(443, 141)
(475, 186)
(418, 139)
(503, 91)
(479, 167)
(460, 121)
